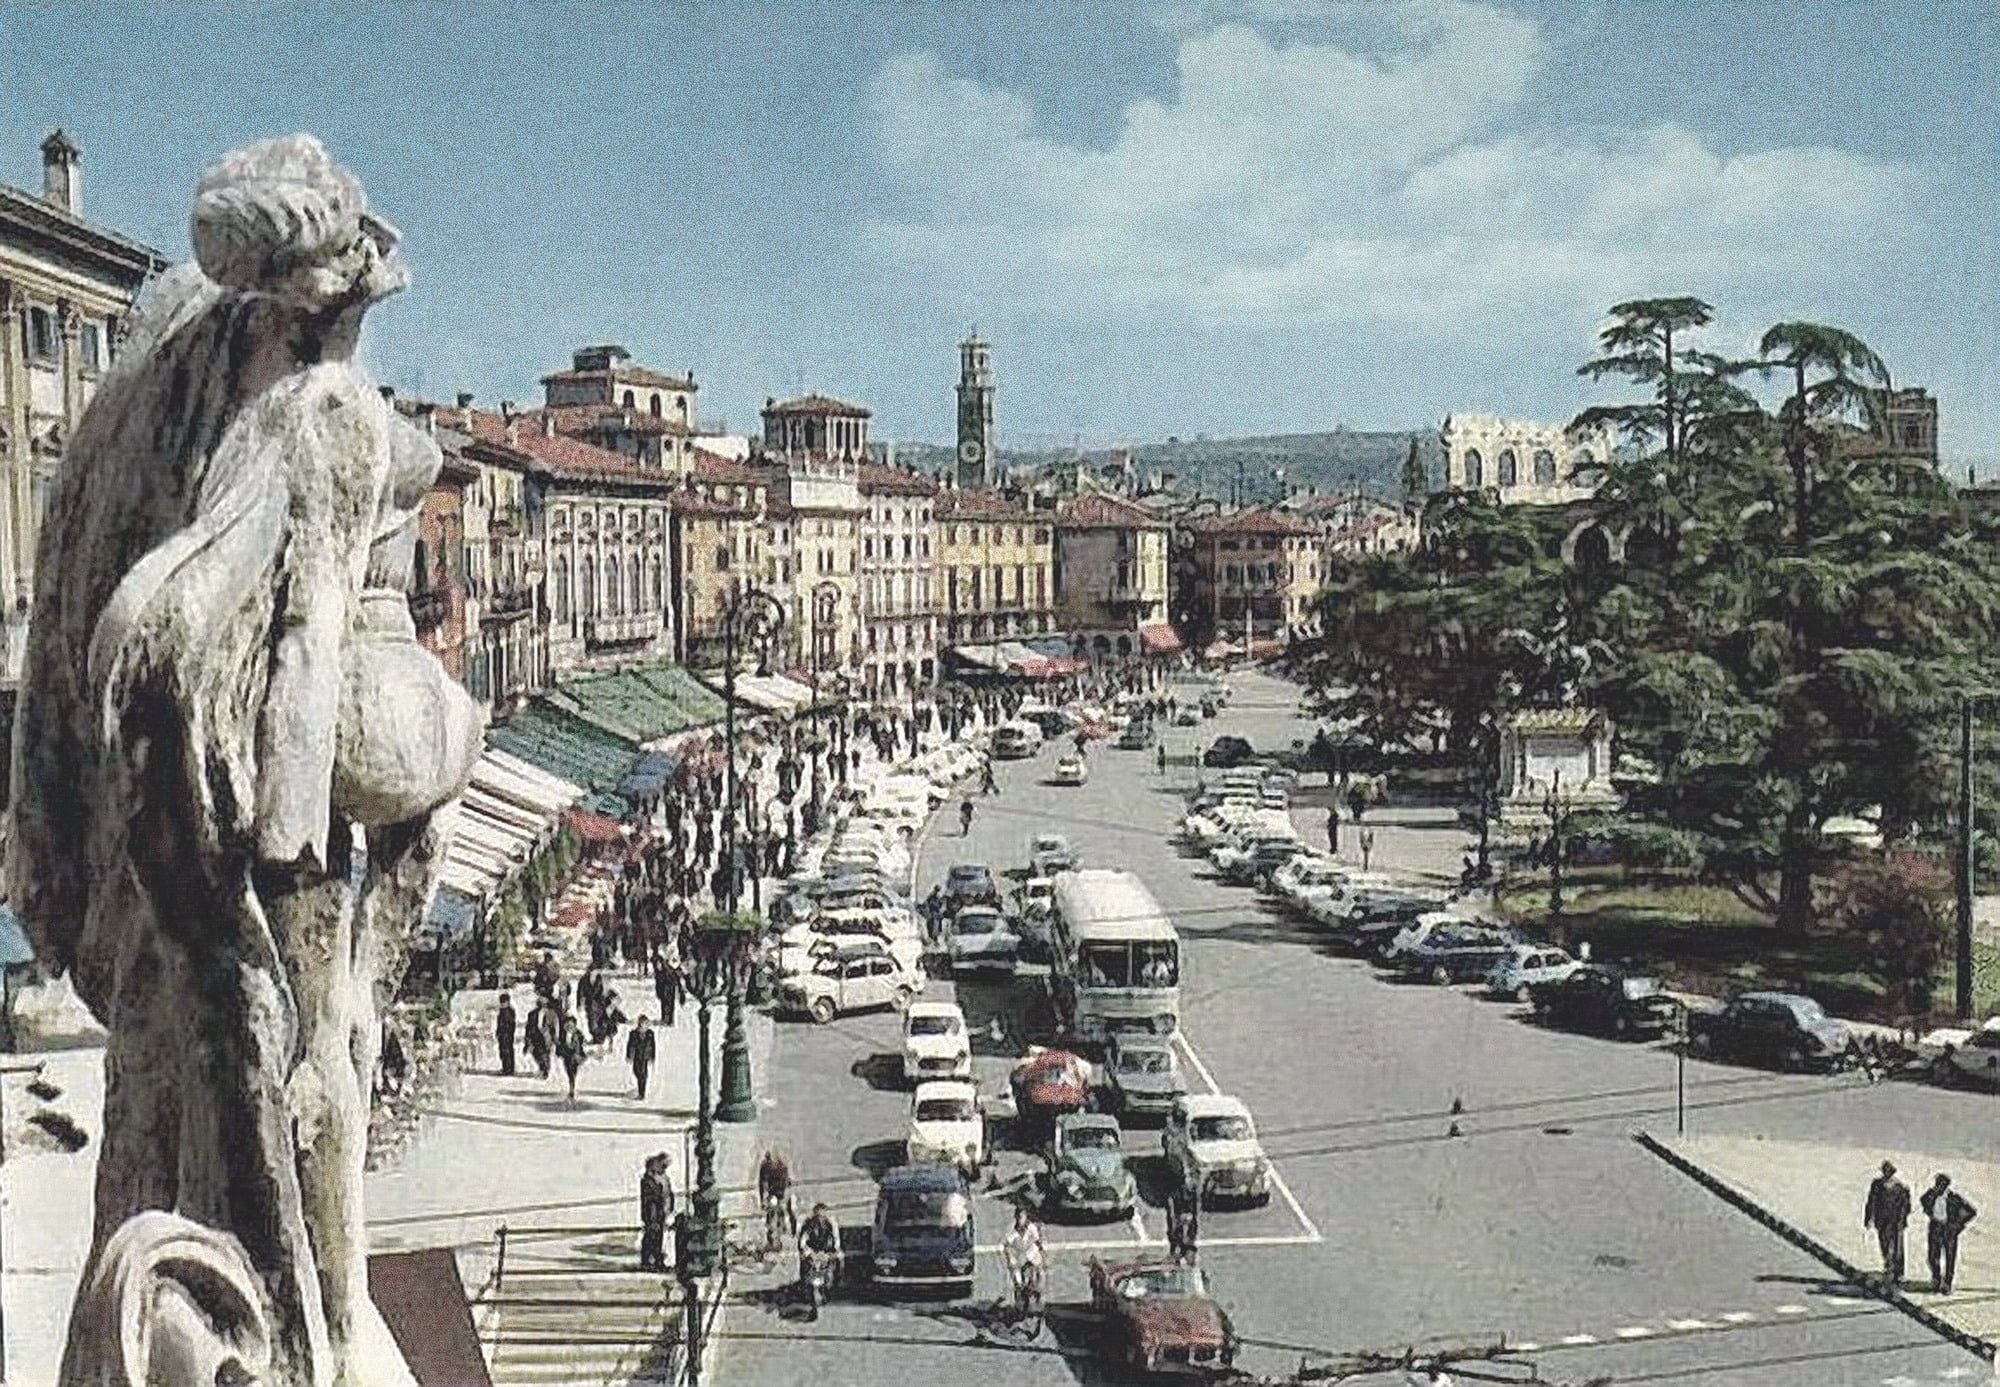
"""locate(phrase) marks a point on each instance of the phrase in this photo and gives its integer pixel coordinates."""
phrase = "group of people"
(1946, 1214)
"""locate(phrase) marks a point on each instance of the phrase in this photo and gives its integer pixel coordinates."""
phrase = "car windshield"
(1093, 1139)
(968, 875)
(926, 1209)
(933, 1025)
(1227, 1127)
(1049, 842)
(1641, 987)
(1161, 1281)
(1144, 1061)
(1154, 965)
(946, 1110)
(1106, 965)
(977, 922)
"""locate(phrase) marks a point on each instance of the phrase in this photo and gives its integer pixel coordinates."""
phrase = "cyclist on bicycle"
(819, 1253)
(1026, 1254)
(774, 1196)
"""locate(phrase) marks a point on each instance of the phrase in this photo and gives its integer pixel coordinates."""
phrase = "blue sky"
(1184, 218)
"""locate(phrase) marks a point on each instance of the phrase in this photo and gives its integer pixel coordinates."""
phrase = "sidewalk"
(1423, 846)
(1819, 1190)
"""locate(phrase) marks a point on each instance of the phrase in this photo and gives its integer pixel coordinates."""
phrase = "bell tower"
(976, 463)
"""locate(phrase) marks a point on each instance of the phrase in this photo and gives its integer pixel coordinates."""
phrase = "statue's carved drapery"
(231, 762)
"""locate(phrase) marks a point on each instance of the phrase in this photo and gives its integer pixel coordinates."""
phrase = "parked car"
(802, 945)
(1958, 1056)
(947, 1125)
(1045, 1085)
(1142, 1075)
(1086, 1171)
(1463, 953)
(922, 1232)
(1070, 770)
(1606, 1000)
(970, 883)
(1016, 741)
(1211, 1149)
(1049, 853)
(1137, 736)
(1257, 858)
(1775, 1028)
(935, 1043)
(1528, 966)
(982, 938)
(1159, 1316)
(848, 978)
(1188, 715)
(1228, 751)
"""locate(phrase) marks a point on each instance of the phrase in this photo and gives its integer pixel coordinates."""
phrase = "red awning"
(1159, 639)
(594, 827)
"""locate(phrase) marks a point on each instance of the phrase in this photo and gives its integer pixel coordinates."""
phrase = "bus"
(1116, 959)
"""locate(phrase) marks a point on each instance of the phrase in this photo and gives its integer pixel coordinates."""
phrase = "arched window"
(1475, 468)
(589, 588)
(1510, 470)
(657, 588)
(559, 579)
(1580, 464)
(632, 585)
(1545, 466)
(614, 589)
(630, 399)
(654, 406)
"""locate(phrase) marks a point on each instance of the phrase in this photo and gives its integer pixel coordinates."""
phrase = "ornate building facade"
(1111, 576)
(1521, 462)
(995, 567)
(899, 645)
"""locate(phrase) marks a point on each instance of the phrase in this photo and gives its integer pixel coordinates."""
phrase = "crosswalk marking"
(1791, 1310)
(1633, 1331)
(1577, 1340)
(1737, 1317)
(1687, 1326)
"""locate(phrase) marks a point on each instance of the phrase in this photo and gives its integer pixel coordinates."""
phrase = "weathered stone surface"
(230, 760)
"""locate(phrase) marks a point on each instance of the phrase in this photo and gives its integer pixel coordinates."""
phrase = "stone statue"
(232, 768)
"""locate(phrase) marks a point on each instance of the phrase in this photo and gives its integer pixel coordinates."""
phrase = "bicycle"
(1027, 1308)
(816, 1274)
(781, 1222)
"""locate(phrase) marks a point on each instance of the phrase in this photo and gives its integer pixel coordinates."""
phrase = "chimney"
(513, 433)
(427, 416)
(62, 179)
(465, 399)
(388, 393)
(507, 410)
(548, 424)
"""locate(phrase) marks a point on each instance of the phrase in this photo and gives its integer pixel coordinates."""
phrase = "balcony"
(429, 608)
(630, 629)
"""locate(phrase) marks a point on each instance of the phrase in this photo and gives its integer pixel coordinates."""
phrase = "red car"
(1160, 1318)
(1047, 1084)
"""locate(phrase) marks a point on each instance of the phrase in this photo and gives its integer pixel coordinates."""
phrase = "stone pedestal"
(1562, 750)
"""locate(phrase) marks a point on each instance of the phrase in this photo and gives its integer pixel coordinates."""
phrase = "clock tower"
(977, 466)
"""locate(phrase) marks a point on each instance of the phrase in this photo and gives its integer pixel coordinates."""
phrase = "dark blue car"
(922, 1236)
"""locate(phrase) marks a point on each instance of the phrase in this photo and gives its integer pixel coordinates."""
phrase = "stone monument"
(232, 767)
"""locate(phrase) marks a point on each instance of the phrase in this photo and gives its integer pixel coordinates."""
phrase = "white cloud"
(1393, 173)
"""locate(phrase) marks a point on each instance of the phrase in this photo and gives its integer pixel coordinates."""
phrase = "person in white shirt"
(1023, 1247)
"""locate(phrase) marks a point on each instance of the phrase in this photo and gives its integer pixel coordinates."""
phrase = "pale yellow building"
(995, 571)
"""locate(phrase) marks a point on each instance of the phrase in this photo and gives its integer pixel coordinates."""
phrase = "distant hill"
(1336, 461)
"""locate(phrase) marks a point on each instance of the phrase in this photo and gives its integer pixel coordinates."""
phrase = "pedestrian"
(641, 1049)
(1888, 1213)
(656, 1207)
(1183, 1223)
(987, 784)
(1948, 1212)
(541, 1039)
(1333, 827)
(504, 1025)
(666, 984)
(1367, 846)
(1160, 757)
(965, 818)
(547, 974)
(570, 1050)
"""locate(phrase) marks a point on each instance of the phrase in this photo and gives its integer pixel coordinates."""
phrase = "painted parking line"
(1056, 1245)
(1278, 1181)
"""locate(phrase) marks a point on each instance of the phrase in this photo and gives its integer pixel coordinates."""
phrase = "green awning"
(563, 744)
(641, 704)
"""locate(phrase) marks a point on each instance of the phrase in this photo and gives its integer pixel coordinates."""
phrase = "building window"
(1510, 470)
(1545, 466)
(722, 557)
(630, 399)
(1475, 468)
(39, 335)
(653, 407)
(632, 585)
(1020, 583)
(91, 344)
(1041, 585)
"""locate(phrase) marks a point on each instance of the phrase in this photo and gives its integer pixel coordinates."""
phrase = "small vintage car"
(922, 1234)
(1773, 1028)
(847, 978)
(970, 883)
(947, 1125)
(935, 1044)
(1608, 1001)
(1086, 1171)
(981, 938)
(1049, 853)
(1070, 770)
(1159, 1317)
(1047, 1084)
(1212, 1152)
(1142, 1075)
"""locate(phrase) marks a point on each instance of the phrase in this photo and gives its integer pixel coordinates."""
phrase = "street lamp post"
(757, 617)
(1554, 808)
(825, 612)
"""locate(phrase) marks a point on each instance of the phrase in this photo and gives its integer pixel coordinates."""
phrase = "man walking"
(666, 984)
(504, 1024)
(570, 1050)
(1888, 1213)
(542, 1033)
(656, 1207)
(641, 1047)
(1948, 1212)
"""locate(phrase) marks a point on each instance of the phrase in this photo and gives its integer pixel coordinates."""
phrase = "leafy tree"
(1416, 476)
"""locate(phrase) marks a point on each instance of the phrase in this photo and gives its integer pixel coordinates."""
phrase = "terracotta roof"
(713, 467)
(1257, 520)
(970, 504)
(559, 454)
(695, 503)
(626, 375)
(816, 404)
(580, 419)
(1100, 511)
(894, 481)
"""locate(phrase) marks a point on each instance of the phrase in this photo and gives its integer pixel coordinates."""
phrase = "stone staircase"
(583, 1329)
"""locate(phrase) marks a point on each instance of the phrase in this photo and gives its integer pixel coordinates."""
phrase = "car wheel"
(822, 1010)
(1796, 1058)
(1440, 975)
(1523, 994)
(1621, 1026)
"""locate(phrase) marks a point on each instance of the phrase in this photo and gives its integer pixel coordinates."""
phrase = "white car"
(1527, 967)
(1307, 877)
(802, 946)
(1211, 1149)
(935, 1043)
(946, 1125)
(1965, 1057)
(982, 938)
(849, 978)
(1037, 896)
(1070, 771)
(1049, 853)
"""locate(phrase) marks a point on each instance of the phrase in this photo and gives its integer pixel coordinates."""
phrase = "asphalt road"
(1542, 1223)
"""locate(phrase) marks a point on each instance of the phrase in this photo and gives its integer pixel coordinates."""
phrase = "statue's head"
(280, 218)
(170, 1303)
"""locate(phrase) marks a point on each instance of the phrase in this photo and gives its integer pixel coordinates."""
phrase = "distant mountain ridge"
(1262, 467)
